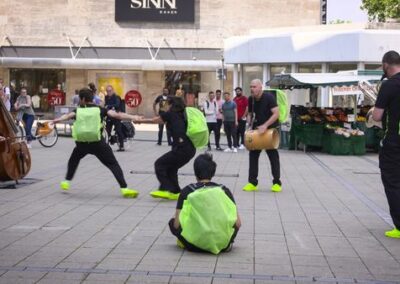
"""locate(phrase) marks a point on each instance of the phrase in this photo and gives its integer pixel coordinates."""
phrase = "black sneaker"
(121, 150)
(209, 148)
(158, 143)
(219, 149)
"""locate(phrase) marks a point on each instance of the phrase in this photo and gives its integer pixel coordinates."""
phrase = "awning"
(315, 80)
(110, 64)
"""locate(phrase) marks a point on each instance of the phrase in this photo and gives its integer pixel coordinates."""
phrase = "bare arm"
(156, 119)
(176, 219)
(154, 108)
(236, 117)
(238, 223)
(64, 117)
(122, 115)
(249, 118)
(377, 114)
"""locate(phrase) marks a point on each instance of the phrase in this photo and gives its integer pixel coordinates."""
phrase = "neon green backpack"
(283, 104)
(207, 219)
(197, 129)
(87, 125)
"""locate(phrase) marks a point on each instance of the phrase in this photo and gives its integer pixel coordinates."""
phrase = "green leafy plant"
(381, 10)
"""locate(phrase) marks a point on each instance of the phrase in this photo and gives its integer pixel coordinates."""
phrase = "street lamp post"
(222, 74)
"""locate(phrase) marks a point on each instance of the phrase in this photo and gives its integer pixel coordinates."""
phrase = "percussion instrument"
(269, 140)
(371, 92)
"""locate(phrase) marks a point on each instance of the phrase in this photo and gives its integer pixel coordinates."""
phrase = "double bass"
(15, 159)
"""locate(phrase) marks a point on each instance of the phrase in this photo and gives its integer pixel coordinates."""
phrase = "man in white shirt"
(211, 111)
(6, 95)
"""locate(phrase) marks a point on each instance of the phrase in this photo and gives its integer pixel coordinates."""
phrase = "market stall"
(339, 130)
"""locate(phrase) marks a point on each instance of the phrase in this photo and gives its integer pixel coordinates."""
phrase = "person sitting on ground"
(206, 217)
(87, 133)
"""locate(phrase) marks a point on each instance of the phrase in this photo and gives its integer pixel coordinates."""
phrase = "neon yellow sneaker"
(64, 185)
(276, 187)
(129, 193)
(160, 194)
(173, 196)
(180, 244)
(395, 233)
(250, 187)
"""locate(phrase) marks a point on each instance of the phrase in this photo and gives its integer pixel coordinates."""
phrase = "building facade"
(141, 45)
(313, 49)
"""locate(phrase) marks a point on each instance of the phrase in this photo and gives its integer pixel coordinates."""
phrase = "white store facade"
(314, 49)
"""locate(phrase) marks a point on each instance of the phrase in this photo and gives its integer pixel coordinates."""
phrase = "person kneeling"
(206, 217)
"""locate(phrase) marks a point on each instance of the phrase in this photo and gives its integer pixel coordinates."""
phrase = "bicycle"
(46, 136)
(128, 128)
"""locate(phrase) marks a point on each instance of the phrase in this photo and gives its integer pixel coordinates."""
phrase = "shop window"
(333, 68)
(186, 81)
(309, 68)
(373, 67)
(39, 84)
(280, 68)
(251, 72)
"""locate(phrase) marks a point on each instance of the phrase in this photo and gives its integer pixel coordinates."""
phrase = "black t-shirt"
(176, 124)
(389, 100)
(189, 189)
(263, 108)
(162, 102)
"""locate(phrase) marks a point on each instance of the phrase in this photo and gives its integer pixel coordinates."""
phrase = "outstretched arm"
(64, 117)
(156, 119)
(122, 115)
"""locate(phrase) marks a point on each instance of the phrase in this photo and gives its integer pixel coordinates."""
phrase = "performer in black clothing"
(162, 102)
(263, 114)
(387, 110)
(100, 148)
(113, 102)
(167, 166)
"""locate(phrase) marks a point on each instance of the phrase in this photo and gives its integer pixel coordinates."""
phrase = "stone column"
(325, 98)
(266, 73)
(235, 76)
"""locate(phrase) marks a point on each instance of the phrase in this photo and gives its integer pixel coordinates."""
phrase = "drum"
(370, 122)
(269, 140)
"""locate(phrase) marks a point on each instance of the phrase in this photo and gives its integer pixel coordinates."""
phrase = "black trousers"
(218, 132)
(389, 162)
(213, 126)
(118, 130)
(230, 131)
(240, 131)
(273, 157)
(160, 134)
(167, 166)
(103, 152)
(189, 246)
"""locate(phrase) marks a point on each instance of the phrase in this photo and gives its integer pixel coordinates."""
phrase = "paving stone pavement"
(326, 226)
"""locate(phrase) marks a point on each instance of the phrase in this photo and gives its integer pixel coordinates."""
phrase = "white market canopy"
(317, 44)
(315, 80)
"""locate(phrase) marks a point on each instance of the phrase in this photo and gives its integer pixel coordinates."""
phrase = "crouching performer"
(87, 133)
(206, 218)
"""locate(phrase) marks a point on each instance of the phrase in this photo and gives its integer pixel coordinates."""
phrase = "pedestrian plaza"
(326, 226)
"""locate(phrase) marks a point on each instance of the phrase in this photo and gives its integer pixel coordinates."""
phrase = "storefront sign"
(55, 98)
(133, 98)
(346, 90)
(154, 10)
